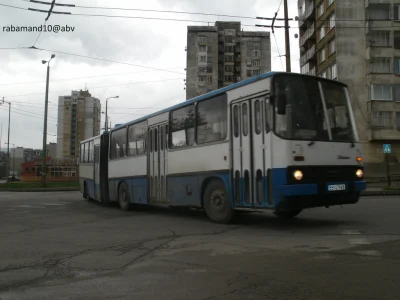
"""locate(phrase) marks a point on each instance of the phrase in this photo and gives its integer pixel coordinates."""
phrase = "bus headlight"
(298, 174)
(359, 173)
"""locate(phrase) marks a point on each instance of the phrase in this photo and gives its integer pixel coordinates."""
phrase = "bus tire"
(287, 214)
(216, 203)
(124, 197)
(85, 190)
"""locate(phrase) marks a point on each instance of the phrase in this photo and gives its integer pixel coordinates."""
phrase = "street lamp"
(46, 104)
(8, 138)
(106, 122)
(8, 145)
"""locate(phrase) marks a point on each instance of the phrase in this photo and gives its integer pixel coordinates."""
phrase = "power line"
(12, 6)
(276, 42)
(39, 35)
(104, 59)
(84, 77)
(13, 48)
(55, 106)
(156, 10)
(98, 87)
(279, 7)
(197, 21)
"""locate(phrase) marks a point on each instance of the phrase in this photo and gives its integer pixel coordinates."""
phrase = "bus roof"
(201, 97)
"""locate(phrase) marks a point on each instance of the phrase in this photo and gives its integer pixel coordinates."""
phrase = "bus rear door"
(157, 162)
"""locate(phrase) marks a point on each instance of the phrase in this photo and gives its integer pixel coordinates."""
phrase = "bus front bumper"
(300, 196)
(330, 188)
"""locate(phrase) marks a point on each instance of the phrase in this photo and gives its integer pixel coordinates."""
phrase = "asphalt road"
(59, 246)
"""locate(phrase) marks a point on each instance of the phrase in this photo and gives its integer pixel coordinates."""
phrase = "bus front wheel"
(123, 196)
(216, 203)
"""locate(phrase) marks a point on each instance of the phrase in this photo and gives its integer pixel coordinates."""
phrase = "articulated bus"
(278, 141)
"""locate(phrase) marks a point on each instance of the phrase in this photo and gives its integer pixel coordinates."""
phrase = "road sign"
(387, 149)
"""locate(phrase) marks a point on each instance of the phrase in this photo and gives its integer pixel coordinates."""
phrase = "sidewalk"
(376, 191)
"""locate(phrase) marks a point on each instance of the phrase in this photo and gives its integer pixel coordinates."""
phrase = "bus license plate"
(336, 187)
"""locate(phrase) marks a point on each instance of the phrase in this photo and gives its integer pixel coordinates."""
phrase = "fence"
(32, 178)
(393, 180)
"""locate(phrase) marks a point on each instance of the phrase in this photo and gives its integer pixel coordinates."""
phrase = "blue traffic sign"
(387, 148)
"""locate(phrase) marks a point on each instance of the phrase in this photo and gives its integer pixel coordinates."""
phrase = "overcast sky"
(149, 43)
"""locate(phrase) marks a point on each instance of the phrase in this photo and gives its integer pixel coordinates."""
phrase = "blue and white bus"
(279, 141)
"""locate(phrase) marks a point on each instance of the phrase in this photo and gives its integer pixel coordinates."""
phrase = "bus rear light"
(298, 174)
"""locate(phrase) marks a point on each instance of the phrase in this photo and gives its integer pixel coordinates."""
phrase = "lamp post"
(8, 145)
(8, 138)
(46, 104)
(106, 122)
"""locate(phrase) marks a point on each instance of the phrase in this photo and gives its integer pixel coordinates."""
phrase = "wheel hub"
(218, 201)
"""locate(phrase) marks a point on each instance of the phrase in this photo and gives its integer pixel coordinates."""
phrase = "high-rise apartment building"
(358, 42)
(78, 119)
(223, 54)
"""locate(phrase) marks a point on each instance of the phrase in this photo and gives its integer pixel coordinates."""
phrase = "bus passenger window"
(236, 120)
(182, 127)
(211, 120)
(245, 119)
(257, 111)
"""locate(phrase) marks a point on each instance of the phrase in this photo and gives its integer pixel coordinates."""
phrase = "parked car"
(13, 178)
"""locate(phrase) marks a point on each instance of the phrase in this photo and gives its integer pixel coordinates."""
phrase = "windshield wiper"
(312, 142)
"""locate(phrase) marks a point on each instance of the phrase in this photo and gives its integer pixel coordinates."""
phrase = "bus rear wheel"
(216, 203)
(287, 214)
(123, 196)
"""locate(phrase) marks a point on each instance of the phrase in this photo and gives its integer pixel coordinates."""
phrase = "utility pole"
(8, 138)
(286, 19)
(106, 121)
(13, 167)
(287, 40)
(46, 104)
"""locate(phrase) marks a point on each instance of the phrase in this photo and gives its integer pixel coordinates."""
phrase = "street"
(56, 245)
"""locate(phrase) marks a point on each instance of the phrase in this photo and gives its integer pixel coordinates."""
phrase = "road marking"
(350, 232)
(359, 241)
(374, 253)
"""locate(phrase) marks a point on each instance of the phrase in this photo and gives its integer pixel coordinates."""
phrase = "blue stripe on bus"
(90, 187)
(360, 186)
(137, 189)
(185, 190)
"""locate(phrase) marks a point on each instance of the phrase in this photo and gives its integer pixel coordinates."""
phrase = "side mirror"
(281, 104)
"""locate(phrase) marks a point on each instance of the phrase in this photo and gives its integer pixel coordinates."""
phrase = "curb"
(381, 193)
(42, 190)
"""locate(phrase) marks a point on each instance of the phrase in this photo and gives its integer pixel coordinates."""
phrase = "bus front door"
(251, 152)
(157, 159)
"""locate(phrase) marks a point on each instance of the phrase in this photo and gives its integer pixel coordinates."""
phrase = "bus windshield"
(315, 110)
